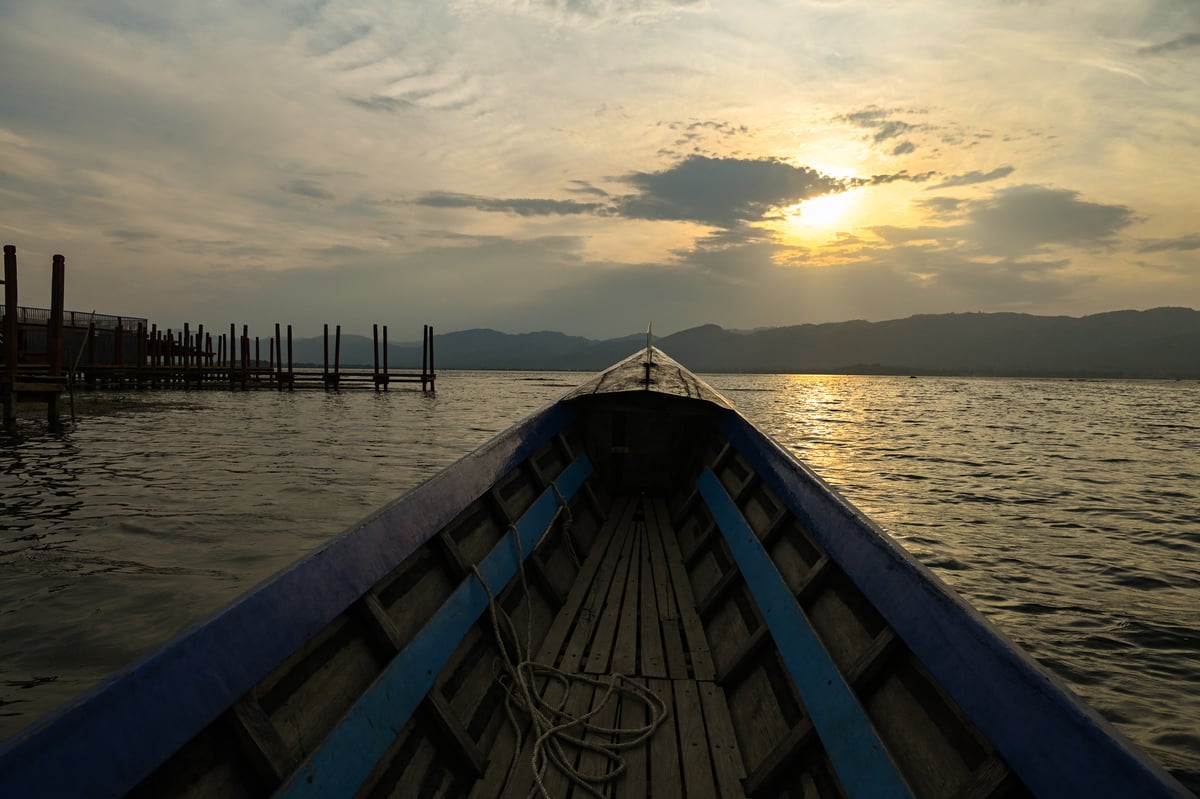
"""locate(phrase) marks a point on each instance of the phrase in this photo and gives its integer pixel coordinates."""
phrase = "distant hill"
(1164, 342)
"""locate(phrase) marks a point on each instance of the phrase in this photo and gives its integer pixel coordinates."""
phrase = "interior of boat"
(656, 673)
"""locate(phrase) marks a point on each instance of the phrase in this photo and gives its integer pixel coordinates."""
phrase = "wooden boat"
(768, 640)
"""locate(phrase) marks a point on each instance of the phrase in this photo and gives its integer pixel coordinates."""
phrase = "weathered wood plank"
(594, 764)
(600, 653)
(653, 660)
(579, 700)
(260, 738)
(722, 742)
(781, 756)
(625, 648)
(665, 778)
(447, 722)
(702, 665)
(633, 783)
(564, 622)
(693, 742)
(668, 614)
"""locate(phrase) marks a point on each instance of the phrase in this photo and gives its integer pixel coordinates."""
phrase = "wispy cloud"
(975, 176)
(521, 207)
(1182, 243)
(1185, 42)
(306, 188)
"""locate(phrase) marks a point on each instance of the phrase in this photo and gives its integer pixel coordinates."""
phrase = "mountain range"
(1160, 343)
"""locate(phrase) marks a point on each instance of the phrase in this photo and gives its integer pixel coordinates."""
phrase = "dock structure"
(46, 352)
(33, 372)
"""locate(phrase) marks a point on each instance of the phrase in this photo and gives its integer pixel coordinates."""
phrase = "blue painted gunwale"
(860, 759)
(354, 748)
(110, 739)
(1054, 742)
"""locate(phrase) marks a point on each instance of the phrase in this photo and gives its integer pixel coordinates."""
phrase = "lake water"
(1068, 512)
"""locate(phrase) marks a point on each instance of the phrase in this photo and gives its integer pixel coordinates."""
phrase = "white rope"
(554, 729)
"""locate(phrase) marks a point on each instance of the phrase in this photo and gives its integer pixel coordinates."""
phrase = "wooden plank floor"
(633, 613)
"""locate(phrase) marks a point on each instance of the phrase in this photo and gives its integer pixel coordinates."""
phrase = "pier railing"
(46, 351)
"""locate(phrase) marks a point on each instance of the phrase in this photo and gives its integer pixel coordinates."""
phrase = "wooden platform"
(633, 614)
(630, 611)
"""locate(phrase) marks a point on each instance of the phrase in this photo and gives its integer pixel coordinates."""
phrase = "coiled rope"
(558, 735)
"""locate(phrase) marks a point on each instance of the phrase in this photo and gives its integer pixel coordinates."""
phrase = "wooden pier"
(46, 352)
(195, 360)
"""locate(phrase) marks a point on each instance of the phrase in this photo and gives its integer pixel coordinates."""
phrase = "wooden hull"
(784, 644)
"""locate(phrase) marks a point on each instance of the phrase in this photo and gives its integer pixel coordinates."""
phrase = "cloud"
(902, 175)
(306, 188)
(975, 176)
(942, 206)
(725, 193)
(1183, 243)
(722, 191)
(1023, 219)
(130, 236)
(1185, 42)
(338, 251)
(903, 148)
(521, 207)
(381, 103)
(879, 120)
(1010, 282)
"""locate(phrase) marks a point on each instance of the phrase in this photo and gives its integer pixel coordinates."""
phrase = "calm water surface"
(1067, 511)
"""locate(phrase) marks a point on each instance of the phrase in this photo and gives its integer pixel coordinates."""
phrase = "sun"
(821, 212)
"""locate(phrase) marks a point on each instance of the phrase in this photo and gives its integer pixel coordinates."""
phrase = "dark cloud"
(903, 148)
(130, 236)
(1023, 219)
(223, 248)
(338, 251)
(380, 102)
(521, 207)
(722, 191)
(1010, 282)
(1185, 42)
(306, 188)
(902, 175)
(1183, 243)
(975, 176)
(725, 193)
(880, 121)
(583, 187)
(945, 206)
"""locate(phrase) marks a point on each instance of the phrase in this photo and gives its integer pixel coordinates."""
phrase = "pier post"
(424, 354)
(337, 355)
(386, 378)
(325, 362)
(201, 355)
(432, 368)
(245, 354)
(291, 374)
(10, 336)
(278, 359)
(119, 350)
(375, 349)
(141, 354)
(54, 329)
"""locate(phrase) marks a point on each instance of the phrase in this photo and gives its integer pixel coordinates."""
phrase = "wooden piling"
(11, 352)
(54, 329)
(375, 351)
(386, 378)
(337, 353)
(291, 379)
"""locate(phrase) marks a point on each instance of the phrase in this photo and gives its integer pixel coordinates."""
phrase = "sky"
(591, 166)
